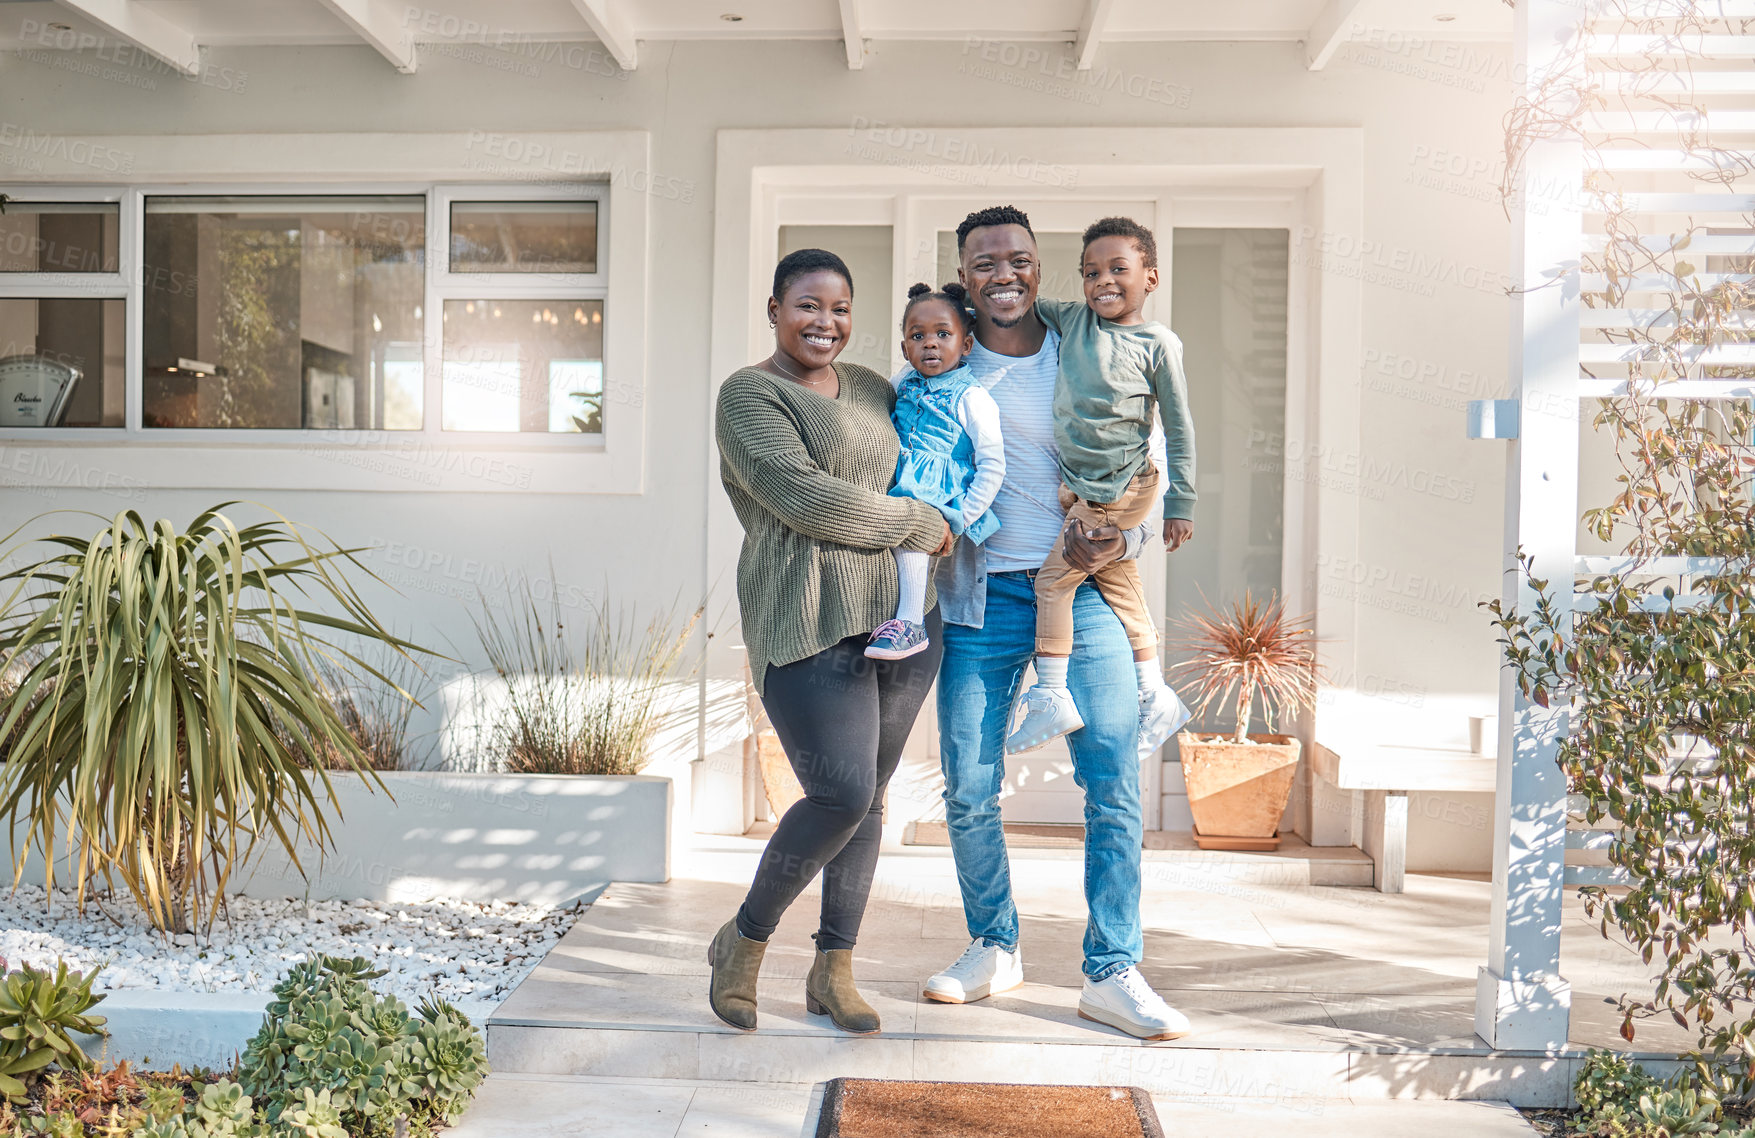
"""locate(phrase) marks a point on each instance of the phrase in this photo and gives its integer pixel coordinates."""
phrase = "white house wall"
(1431, 253)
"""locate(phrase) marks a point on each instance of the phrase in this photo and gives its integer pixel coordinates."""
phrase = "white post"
(1521, 1002)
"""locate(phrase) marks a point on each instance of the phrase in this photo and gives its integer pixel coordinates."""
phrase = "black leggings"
(842, 719)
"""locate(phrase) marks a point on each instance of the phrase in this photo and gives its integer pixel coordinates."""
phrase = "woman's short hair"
(802, 263)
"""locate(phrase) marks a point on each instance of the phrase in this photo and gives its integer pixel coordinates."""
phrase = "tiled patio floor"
(1296, 992)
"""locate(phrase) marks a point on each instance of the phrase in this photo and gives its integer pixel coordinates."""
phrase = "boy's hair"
(992, 215)
(1125, 227)
(952, 294)
(802, 263)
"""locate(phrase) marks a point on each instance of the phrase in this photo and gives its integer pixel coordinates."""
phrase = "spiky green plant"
(174, 663)
(1251, 648)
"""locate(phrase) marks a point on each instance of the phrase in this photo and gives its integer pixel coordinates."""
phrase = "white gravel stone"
(462, 950)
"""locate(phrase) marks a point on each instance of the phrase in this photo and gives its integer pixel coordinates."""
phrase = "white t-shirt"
(1027, 505)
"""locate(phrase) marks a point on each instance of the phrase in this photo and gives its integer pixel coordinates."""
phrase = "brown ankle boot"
(829, 990)
(736, 960)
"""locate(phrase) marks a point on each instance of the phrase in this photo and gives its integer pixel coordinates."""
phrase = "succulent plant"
(433, 1008)
(388, 1019)
(224, 1108)
(317, 1118)
(444, 1061)
(375, 1065)
(316, 1026)
(39, 1015)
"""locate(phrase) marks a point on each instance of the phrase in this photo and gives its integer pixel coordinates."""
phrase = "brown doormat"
(1018, 835)
(882, 1108)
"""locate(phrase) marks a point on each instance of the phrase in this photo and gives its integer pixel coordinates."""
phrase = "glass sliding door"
(1228, 306)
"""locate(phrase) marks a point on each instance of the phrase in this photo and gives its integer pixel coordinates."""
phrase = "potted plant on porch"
(1238, 784)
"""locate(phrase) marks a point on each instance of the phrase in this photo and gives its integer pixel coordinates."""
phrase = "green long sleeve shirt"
(809, 478)
(1110, 376)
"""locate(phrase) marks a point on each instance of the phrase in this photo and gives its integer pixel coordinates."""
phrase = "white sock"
(1051, 672)
(1151, 676)
(912, 570)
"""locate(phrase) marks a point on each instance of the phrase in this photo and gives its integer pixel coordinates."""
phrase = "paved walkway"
(1314, 1007)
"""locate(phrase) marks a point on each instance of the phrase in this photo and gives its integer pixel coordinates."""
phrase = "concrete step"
(538, 1106)
(622, 997)
(1173, 855)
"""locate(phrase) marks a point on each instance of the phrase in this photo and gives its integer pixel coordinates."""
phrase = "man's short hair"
(993, 215)
(1125, 227)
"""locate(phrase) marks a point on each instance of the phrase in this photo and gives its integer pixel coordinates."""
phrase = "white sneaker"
(1126, 1001)
(983, 970)
(1044, 715)
(1162, 714)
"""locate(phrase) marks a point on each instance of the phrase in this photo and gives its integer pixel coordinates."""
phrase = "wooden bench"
(1385, 774)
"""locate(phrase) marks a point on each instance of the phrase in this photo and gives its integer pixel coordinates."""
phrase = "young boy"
(1114, 365)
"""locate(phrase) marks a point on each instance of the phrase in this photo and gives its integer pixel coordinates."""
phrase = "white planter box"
(482, 837)
(473, 837)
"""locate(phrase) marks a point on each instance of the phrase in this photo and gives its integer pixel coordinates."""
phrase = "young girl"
(951, 453)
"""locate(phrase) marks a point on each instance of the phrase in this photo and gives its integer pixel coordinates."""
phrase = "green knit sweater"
(809, 479)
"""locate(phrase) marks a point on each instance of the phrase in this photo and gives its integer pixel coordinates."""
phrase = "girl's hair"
(952, 294)
(802, 263)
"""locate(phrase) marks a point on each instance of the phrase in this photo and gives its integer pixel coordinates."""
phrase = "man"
(987, 599)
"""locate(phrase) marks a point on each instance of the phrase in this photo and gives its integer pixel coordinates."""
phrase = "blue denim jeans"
(976, 686)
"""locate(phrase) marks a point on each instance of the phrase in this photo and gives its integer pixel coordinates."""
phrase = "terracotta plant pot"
(778, 781)
(1237, 792)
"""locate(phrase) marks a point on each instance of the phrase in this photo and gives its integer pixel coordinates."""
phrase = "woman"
(808, 454)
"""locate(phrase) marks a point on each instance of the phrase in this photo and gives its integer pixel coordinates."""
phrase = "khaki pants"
(1118, 581)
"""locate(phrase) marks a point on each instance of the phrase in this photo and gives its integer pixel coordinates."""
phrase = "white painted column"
(1521, 1002)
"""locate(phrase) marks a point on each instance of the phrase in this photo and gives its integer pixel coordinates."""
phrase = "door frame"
(1309, 180)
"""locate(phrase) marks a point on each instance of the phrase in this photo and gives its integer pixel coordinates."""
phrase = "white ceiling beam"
(852, 34)
(145, 29)
(1333, 27)
(609, 24)
(381, 24)
(1091, 28)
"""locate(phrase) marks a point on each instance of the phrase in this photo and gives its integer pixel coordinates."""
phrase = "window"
(61, 362)
(319, 311)
(59, 237)
(62, 315)
(524, 237)
(522, 303)
(524, 365)
(276, 312)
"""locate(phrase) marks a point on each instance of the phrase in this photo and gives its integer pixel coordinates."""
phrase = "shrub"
(184, 701)
(376, 714)
(579, 703)
(39, 1015)
(331, 1053)
(1605, 1078)
(1617, 1098)
(1649, 667)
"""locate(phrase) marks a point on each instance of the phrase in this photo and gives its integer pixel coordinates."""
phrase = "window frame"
(612, 166)
(87, 286)
(444, 285)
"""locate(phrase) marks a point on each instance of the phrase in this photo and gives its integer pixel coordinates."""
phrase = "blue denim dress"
(938, 457)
